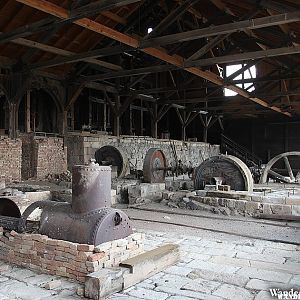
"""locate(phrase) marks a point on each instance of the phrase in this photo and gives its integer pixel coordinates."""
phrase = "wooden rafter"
(134, 42)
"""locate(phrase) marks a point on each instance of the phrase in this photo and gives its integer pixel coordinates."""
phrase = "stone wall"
(83, 147)
(234, 203)
(63, 258)
(10, 159)
(43, 156)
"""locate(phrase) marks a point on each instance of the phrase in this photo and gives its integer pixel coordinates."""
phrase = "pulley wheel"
(112, 156)
(227, 169)
(289, 174)
(154, 167)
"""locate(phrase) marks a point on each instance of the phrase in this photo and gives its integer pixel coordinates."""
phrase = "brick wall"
(51, 156)
(82, 147)
(10, 159)
(63, 258)
(42, 156)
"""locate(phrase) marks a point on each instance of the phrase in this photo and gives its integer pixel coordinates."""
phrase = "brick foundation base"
(63, 258)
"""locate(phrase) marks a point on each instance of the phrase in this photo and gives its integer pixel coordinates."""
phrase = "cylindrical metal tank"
(105, 224)
(91, 187)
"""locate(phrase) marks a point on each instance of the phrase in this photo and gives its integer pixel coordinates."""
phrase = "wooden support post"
(154, 128)
(27, 113)
(183, 132)
(104, 117)
(72, 117)
(117, 126)
(90, 112)
(13, 116)
(142, 118)
(117, 117)
(63, 122)
(205, 130)
(130, 120)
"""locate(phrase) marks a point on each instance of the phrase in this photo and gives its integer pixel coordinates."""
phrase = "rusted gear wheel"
(286, 175)
(154, 167)
(110, 155)
(227, 169)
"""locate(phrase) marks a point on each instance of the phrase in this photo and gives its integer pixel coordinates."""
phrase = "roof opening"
(249, 73)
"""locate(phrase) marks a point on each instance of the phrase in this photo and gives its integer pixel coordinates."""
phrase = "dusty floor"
(213, 265)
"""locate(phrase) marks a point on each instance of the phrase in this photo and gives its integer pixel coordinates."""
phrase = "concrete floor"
(210, 225)
(214, 265)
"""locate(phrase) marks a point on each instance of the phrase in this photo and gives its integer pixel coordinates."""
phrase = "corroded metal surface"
(94, 227)
(226, 168)
(89, 218)
(91, 188)
(110, 155)
(291, 178)
(155, 166)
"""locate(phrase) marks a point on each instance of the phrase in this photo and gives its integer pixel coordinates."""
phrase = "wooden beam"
(89, 55)
(171, 18)
(64, 16)
(126, 73)
(62, 52)
(243, 56)
(73, 97)
(158, 53)
(223, 29)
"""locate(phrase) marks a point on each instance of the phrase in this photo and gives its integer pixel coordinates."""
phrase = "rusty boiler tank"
(89, 218)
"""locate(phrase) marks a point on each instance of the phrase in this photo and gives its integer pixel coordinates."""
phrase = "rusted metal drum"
(110, 155)
(155, 166)
(224, 169)
(91, 187)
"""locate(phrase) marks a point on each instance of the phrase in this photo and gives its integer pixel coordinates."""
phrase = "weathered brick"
(96, 256)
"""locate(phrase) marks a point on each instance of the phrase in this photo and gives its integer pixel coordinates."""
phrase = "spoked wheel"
(285, 174)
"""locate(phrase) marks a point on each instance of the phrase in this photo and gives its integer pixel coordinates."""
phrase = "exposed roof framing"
(104, 45)
(223, 29)
(161, 54)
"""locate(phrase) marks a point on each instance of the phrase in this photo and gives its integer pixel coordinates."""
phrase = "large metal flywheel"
(155, 166)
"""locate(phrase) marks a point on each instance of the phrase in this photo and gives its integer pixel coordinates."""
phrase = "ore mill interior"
(149, 149)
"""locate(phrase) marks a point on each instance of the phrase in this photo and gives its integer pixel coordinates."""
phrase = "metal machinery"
(155, 167)
(88, 219)
(224, 169)
(114, 157)
(287, 174)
